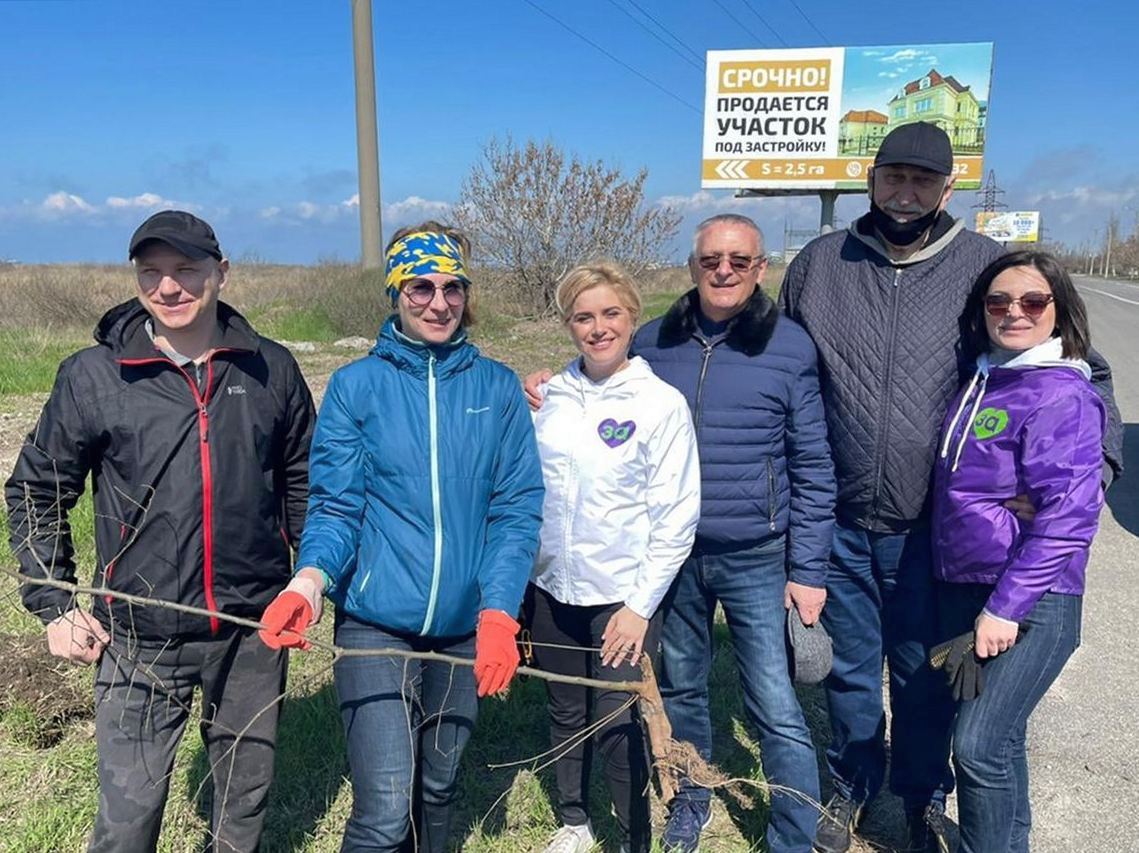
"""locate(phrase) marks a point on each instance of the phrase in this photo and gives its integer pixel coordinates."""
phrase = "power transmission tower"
(795, 239)
(990, 195)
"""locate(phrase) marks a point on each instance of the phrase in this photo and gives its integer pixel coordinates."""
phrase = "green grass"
(31, 357)
(51, 793)
(283, 323)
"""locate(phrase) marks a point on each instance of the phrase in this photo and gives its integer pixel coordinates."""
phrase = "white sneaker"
(572, 839)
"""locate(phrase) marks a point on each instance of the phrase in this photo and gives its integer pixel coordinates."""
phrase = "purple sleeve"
(1061, 463)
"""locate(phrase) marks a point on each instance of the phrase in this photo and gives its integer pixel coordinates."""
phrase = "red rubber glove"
(286, 619)
(496, 653)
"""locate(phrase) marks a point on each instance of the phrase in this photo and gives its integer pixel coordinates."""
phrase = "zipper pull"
(203, 423)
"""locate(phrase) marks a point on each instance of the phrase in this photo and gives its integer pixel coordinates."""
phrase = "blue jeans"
(988, 737)
(881, 604)
(749, 584)
(406, 723)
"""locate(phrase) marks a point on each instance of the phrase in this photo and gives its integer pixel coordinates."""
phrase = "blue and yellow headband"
(420, 254)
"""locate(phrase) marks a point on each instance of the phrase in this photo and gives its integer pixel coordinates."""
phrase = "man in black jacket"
(195, 433)
(881, 302)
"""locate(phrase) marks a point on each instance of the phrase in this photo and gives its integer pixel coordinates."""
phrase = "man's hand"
(1022, 506)
(994, 636)
(77, 636)
(624, 635)
(297, 607)
(531, 386)
(808, 600)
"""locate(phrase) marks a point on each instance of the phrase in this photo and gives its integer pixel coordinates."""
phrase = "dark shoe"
(927, 830)
(836, 825)
(686, 820)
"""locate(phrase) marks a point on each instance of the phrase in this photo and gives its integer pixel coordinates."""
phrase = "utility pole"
(1112, 224)
(367, 142)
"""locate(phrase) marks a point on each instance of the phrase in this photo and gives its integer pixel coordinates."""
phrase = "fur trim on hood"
(749, 331)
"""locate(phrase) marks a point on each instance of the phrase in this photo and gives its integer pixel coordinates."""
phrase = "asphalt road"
(1084, 736)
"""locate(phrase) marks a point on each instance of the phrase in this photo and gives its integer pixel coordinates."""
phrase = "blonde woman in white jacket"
(622, 500)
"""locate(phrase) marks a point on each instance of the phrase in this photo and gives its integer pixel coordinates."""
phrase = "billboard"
(1018, 226)
(813, 118)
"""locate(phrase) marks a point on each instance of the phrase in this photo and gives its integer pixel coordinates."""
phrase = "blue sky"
(244, 112)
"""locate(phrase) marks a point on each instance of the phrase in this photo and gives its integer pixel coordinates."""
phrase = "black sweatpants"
(572, 708)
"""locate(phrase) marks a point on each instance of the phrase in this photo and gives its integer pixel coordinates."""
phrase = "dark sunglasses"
(420, 293)
(1032, 304)
(738, 263)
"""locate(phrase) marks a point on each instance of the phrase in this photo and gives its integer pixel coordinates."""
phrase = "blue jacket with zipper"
(425, 487)
(765, 466)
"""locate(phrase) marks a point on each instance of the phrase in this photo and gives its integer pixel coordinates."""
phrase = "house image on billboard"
(860, 132)
(945, 102)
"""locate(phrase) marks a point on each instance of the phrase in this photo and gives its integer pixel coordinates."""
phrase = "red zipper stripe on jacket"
(207, 473)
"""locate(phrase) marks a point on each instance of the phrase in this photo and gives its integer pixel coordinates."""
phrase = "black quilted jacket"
(889, 360)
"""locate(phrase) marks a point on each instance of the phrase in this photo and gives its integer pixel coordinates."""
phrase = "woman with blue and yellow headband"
(424, 508)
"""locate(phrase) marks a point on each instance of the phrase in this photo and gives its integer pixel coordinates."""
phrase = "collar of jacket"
(944, 229)
(123, 330)
(1049, 353)
(636, 371)
(749, 331)
(413, 356)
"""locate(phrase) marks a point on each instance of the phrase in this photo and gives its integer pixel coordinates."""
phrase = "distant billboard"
(813, 118)
(1018, 226)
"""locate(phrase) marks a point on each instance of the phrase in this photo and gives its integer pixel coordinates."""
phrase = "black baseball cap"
(918, 144)
(182, 231)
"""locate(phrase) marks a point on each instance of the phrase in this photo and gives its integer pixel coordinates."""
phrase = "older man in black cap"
(195, 432)
(881, 302)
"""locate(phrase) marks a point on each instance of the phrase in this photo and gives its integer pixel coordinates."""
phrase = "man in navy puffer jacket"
(767, 506)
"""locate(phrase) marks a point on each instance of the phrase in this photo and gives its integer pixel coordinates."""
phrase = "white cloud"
(903, 55)
(61, 203)
(146, 201)
(414, 208)
(407, 210)
(701, 201)
(1100, 197)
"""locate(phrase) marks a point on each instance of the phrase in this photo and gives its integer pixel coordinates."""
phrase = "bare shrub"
(533, 213)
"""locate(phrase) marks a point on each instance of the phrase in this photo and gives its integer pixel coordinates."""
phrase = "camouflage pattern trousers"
(144, 690)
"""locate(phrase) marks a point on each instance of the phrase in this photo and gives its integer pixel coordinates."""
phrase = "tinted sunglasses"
(1032, 304)
(420, 293)
(738, 263)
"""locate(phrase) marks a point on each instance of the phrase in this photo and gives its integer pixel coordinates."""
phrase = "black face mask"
(900, 233)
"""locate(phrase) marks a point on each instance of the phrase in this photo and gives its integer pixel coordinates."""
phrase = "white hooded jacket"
(622, 487)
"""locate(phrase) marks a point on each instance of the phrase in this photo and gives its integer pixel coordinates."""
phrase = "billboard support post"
(826, 220)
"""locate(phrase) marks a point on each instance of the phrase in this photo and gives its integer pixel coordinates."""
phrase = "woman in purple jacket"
(1029, 423)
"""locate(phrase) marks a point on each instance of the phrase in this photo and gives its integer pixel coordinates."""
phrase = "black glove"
(963, 670)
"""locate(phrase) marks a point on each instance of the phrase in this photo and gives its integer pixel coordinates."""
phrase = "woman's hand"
(295, 609)
(624, 635)
(993, 636)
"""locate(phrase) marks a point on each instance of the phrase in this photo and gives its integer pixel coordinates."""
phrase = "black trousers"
(143, 693)
(620, 742)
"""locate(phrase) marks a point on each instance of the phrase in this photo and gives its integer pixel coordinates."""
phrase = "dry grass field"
(46, 749)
